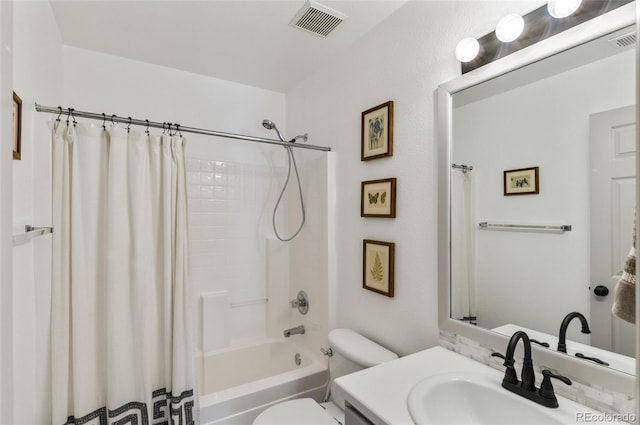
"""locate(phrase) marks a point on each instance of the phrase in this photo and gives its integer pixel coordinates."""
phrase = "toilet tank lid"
(359, 349)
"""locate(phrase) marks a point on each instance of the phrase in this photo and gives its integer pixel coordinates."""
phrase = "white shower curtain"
(463, 297)
(121, 342)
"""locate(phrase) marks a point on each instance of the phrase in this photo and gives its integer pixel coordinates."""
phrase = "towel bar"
(562, 227)
(30, 232)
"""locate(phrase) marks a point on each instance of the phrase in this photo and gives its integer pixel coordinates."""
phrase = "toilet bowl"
(351, 352)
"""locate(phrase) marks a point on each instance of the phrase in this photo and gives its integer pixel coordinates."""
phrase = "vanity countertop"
(381, 392)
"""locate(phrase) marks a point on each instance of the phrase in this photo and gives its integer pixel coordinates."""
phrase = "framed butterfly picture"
(378, 198)
(377, 132)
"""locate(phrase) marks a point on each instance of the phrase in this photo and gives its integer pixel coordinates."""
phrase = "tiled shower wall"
(229, 218)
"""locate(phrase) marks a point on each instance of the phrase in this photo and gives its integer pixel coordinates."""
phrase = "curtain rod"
(152, 124)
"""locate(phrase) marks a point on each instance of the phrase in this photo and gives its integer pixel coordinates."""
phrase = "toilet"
(351, 352)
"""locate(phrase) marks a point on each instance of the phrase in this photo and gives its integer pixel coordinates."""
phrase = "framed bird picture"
(522, 181)
(378, 198)
(377, 132)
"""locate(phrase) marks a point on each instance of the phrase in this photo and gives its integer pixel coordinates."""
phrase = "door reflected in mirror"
(541, 255)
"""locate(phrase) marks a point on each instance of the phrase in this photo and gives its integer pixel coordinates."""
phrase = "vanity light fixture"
(509, 28)
(563, 8)
(467, 49)
(537, 25)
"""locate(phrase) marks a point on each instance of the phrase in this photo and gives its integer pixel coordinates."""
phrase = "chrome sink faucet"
(527, 387)
(562, 336)
(294, 331)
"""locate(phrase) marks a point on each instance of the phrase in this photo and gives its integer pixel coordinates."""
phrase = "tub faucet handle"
(301, 302)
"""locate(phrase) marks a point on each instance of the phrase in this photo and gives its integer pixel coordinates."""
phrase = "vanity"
(380, 395)
(528, 264)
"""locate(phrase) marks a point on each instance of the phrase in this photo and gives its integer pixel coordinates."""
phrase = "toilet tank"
(353, 352)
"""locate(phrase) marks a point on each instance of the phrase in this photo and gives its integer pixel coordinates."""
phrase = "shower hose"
(291, 159)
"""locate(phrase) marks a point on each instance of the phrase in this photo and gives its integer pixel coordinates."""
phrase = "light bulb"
(562, 8)
(467, 49)
(509, 28)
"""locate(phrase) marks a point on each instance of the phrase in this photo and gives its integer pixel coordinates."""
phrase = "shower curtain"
(121, 342)
(463, 299)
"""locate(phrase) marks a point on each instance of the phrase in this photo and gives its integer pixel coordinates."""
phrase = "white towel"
(624, 304)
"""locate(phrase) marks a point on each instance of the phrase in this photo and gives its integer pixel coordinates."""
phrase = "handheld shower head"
(270, 125)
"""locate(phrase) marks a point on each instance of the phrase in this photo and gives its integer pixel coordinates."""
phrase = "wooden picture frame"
(17, 125)
(378, 261)
(522, 181)
(377, 132)
(378, 198)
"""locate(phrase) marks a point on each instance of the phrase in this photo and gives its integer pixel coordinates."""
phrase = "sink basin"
(478, 398)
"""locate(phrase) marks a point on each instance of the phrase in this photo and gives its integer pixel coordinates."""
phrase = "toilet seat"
(302, 411)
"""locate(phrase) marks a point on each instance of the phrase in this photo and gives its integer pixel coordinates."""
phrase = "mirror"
(556, 183)
(548, 145)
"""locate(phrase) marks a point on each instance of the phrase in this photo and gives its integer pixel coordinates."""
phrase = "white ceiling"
(246, 41)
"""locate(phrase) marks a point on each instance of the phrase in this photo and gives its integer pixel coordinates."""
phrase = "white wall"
(404, 59)
(6, 178)
(497, 134)
(37, 71)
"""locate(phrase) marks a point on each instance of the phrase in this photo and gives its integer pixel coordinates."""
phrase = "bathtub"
(238, 383)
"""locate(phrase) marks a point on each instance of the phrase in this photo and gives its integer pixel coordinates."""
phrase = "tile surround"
(227, 215)
(590, 395)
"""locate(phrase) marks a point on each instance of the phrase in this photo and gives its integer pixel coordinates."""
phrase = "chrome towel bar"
(30, 232)
(561, 227)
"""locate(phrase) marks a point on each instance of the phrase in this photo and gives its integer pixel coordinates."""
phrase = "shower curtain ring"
(129, 126)
(178, 129)
(147, 130)
(68, 115)
(59, 113)
(112, 117)
(73, 117)
(104, 119)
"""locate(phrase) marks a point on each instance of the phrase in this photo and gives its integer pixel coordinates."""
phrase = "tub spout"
(294, 331)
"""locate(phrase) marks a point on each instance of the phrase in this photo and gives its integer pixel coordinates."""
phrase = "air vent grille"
(626, 40)
(317, 19)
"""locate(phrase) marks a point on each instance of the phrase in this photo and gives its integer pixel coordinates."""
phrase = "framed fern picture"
(378, 198)
(377, 266)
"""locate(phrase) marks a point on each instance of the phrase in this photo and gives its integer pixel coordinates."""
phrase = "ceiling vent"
(625, 40)
(317, 19)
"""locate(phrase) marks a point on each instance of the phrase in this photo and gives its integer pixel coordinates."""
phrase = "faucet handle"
(502, 356)
(535, 341)
(546, 388)
(510, 375)
(507, 362)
